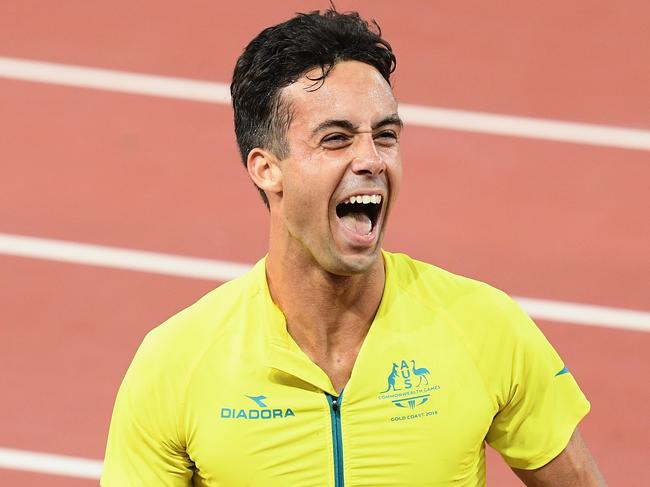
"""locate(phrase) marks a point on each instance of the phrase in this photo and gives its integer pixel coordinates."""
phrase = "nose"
(367, 160)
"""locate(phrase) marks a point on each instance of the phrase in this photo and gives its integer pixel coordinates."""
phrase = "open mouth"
(360, 213)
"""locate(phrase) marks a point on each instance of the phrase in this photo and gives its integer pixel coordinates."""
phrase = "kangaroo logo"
(391, 379)
(403, 390)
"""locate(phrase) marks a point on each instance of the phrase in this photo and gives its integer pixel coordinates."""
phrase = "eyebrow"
(347, 125)
(390, 120)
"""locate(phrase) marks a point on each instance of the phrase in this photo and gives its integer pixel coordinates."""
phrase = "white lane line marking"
(48, 463)
(106, 79)
(585, 314)
(526, 127)
(213, 92)
(135, 260)
(216, 270)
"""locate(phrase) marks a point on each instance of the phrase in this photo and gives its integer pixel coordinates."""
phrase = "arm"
(574, 467)
(144, 445)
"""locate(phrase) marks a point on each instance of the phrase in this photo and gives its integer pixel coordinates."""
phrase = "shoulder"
(173, 347)
(503, 341)
(443, 288)
(479, 312)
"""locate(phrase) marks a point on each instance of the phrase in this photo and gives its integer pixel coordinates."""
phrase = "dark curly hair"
(280, 55)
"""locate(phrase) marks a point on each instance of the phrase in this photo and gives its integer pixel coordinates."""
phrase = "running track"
(541, 216)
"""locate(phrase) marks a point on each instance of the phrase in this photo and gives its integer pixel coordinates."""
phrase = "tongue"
(358, 223)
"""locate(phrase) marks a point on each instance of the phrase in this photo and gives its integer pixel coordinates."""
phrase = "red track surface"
(540, 219)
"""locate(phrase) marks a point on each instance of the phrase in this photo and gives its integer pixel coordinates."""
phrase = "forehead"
(351, 91)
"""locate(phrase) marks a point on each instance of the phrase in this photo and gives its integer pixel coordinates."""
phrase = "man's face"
(343, 171)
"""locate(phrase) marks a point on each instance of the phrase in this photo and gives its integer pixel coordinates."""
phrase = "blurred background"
(123, 199)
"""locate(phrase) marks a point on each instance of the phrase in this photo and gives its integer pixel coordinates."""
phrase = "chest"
(412, 413)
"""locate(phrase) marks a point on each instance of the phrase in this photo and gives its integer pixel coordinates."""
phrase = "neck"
(327, 315)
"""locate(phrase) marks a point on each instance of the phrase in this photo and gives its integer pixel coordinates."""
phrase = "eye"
(335, 141)
(386, 137)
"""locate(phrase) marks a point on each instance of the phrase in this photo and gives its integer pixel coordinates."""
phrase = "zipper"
(337, 439)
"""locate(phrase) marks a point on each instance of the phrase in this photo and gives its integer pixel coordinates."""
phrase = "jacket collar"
(282, 353)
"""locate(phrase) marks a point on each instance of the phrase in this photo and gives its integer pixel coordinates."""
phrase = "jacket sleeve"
(541, 403)
(145, 445)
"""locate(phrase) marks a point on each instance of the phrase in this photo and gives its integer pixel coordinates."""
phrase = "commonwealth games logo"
(407, 385)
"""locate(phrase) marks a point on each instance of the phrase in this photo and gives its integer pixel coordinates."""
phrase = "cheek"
(394, 167)
(314, 180)
(302, 198)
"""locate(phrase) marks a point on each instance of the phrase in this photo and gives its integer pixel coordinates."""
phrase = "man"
(333, 362)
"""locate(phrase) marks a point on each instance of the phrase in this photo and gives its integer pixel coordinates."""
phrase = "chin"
(351, 265)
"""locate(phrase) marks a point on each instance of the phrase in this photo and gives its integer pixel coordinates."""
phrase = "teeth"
(364, 199)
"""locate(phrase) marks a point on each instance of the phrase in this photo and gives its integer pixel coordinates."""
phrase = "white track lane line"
(212, 92)
(106, 79)
(134, 260)
(216, 270)
(47, 463)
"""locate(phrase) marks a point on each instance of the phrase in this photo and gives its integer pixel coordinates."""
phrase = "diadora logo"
(407, 385)
(262, 412)
(258, 400)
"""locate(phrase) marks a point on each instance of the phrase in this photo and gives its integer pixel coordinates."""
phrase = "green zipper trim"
(337, 440)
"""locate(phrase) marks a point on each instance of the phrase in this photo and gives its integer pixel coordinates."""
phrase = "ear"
(264, 170)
